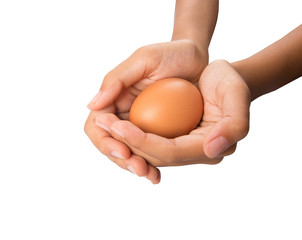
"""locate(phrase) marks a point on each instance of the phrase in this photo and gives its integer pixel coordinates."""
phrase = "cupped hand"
(225, 122)
(181, 58)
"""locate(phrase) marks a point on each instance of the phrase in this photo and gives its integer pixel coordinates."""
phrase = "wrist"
(240, 67)
(198, 58)
(201, 49)
(195, 20)
(201, 43)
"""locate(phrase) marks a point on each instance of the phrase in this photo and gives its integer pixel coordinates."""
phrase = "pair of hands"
(225, 120)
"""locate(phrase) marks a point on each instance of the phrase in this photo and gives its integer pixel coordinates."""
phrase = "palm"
(213, 107)
(226, 100)
(212, 115)
(174, 59)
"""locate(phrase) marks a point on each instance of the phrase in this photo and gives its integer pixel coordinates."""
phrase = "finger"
(115, 150)
(157, 150)
(139, 166)
(124, 75)
(208, 161)
(99, 135)
(225, 133)
(102, 139)
(153, 174)
(120, 154)
(90, 126)
(134, 164)
(106, 120)
(111, 147)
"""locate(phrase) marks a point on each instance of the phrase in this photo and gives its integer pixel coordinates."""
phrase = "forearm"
(274, 66)
(195, 20)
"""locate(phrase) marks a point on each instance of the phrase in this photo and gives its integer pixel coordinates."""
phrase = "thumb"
(124, 75)
(234, 124)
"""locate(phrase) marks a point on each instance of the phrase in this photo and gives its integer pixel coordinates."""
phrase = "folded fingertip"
(131, 169)
(94, 100)
(118, 131)
(118, 155)
(102, 125)
(105, 120)
(157, 179)
(153, 174)
(111, 147)
(140, 165)
(102, 99)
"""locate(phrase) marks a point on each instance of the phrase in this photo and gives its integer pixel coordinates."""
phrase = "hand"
(181, 58)
(225, 122)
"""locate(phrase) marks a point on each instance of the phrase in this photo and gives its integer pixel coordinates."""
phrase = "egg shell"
(170, 107)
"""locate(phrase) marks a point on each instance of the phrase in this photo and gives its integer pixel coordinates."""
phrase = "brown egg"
(170, 107)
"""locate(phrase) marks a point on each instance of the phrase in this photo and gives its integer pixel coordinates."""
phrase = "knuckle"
(141, 50)
(171, 153)
(173, 157)
(242, 128)
(167, 159)
(107, 77)
(146, 52)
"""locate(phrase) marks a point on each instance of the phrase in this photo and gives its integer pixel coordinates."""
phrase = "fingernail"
(117, 131)
(95, 99)
(131, 169)
(117, 154)
(101, 125)
(217, 146)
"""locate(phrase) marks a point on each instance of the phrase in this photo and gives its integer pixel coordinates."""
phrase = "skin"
(195, 20)
(227, 98)
(274, 66)
(121, 86)
(194, 24)
(227, 90)
(226, 113)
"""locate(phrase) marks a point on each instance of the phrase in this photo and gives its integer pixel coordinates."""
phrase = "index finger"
(124, 75)
(160, 151)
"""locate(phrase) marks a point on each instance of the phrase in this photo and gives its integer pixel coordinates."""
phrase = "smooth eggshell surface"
(169, 107)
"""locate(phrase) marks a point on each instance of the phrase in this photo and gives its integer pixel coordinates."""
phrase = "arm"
(274, 66)
(195, 20)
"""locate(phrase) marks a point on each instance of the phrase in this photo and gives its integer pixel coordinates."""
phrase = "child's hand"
(117, 151)
(181, 58)
(225, 122)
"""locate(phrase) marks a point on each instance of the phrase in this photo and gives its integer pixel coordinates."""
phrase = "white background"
(54, 184)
